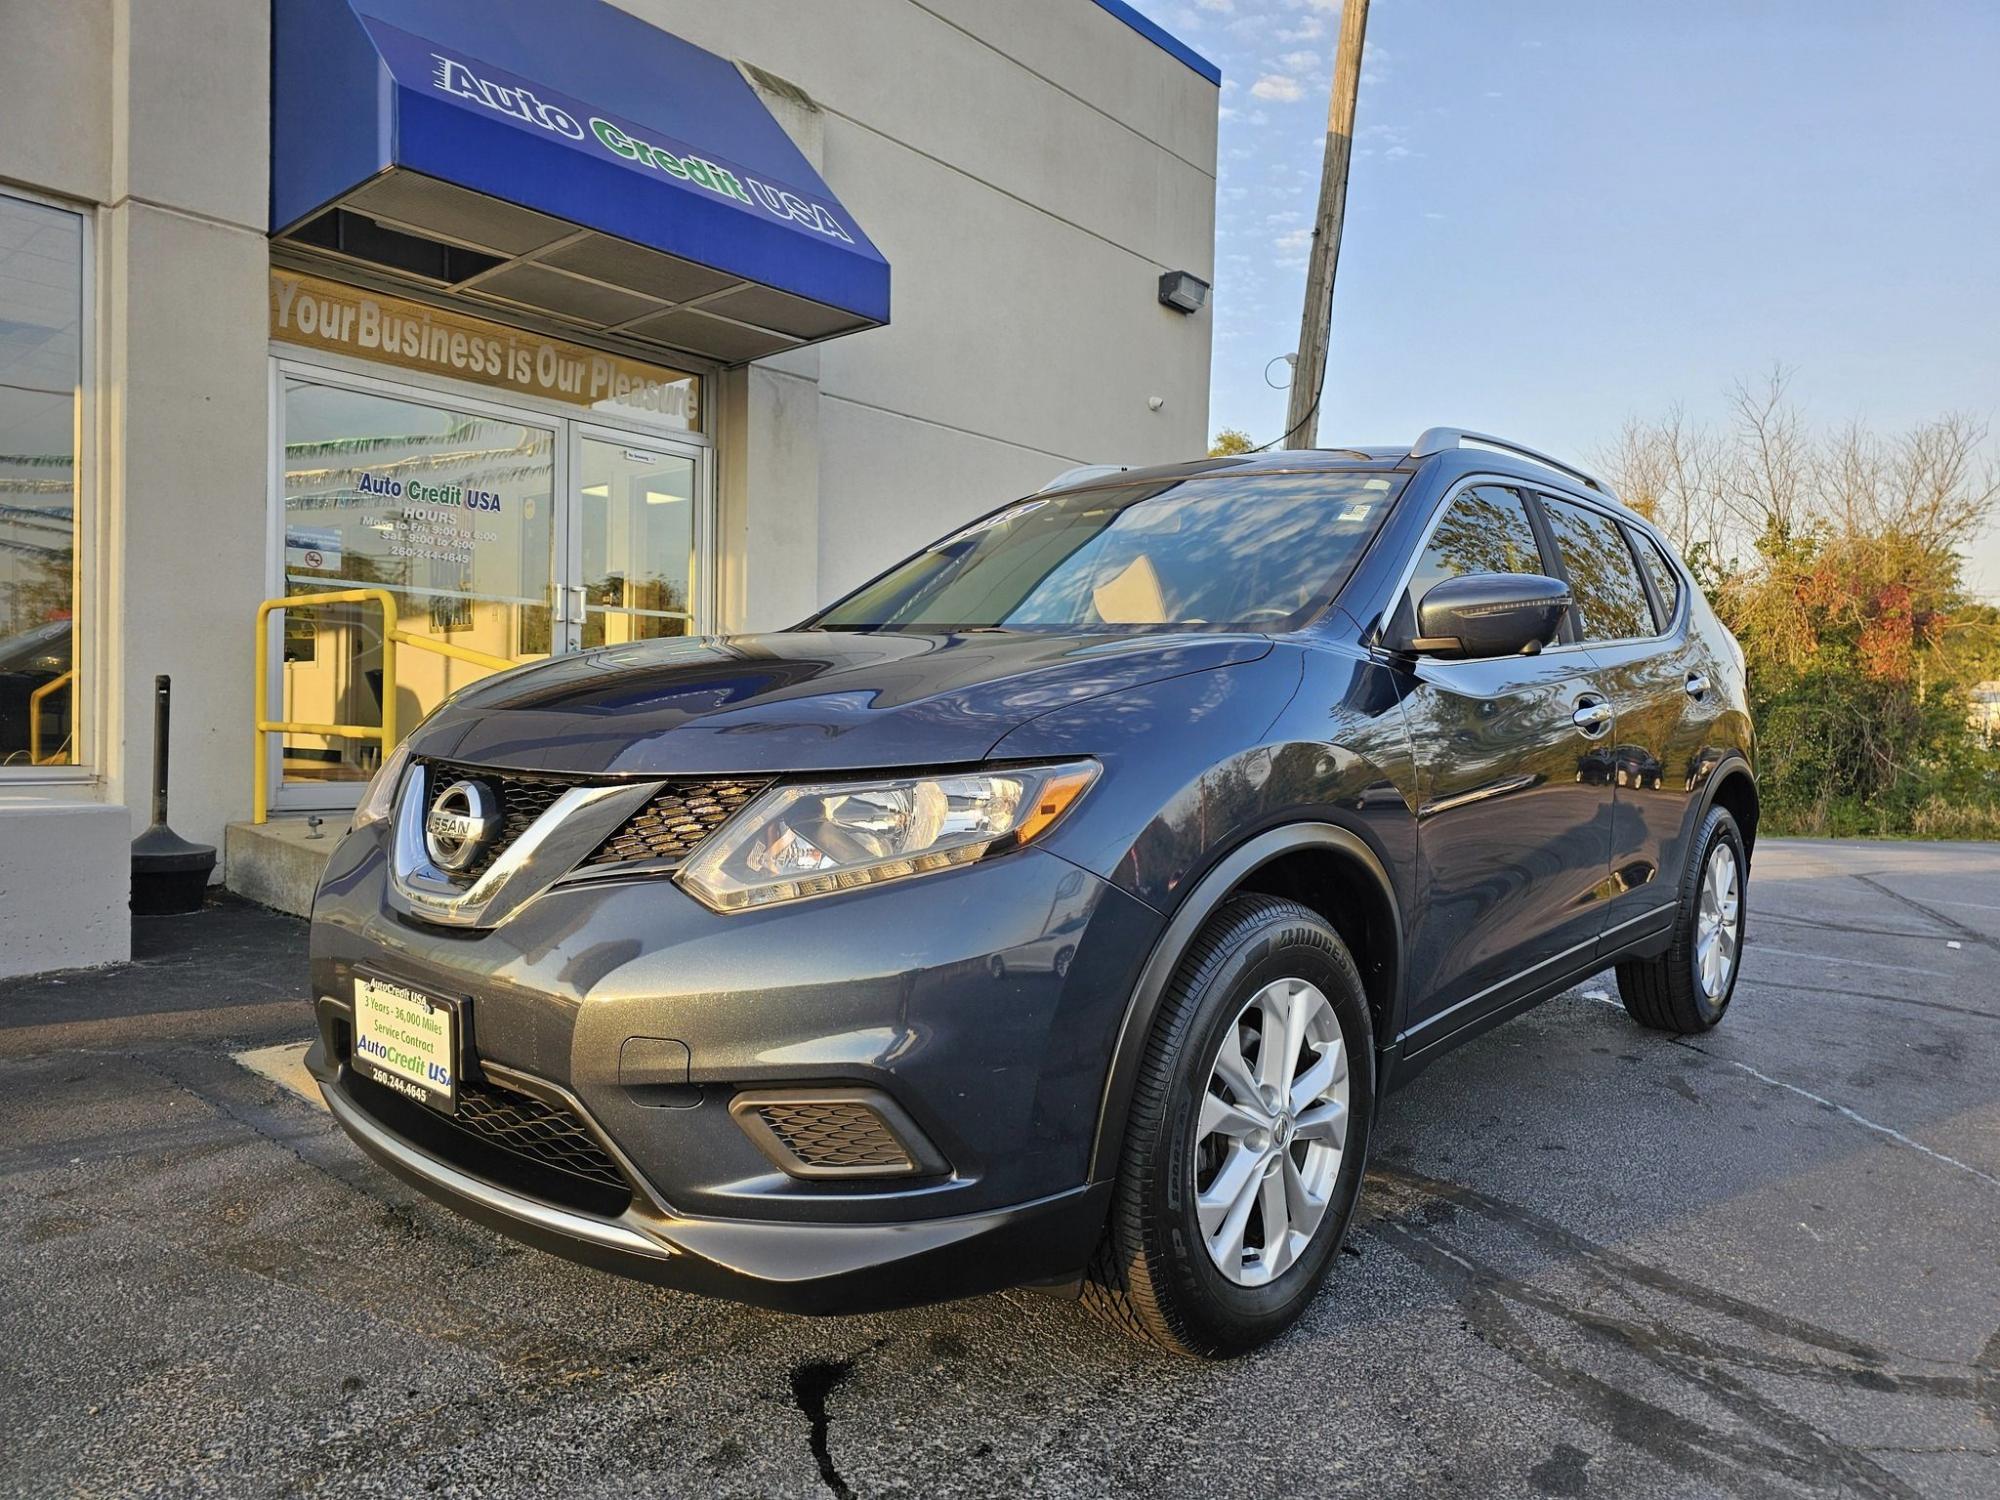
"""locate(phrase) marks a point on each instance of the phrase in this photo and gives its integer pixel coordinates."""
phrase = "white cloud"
(1293, 241)
(1220, 7)
(1277, 88)
(1310, 29)
(1299, 62)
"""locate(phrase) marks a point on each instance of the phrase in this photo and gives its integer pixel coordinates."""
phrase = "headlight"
(812, 840)
(378, 798)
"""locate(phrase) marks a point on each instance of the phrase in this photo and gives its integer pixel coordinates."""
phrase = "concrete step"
(278, 864)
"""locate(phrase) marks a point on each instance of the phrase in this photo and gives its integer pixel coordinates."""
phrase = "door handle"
(1593, 717)
(1697, 685)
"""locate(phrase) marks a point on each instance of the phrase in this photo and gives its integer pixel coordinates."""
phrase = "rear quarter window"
(1666, 578)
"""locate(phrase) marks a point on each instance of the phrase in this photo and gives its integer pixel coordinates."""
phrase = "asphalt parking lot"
(1591, 1261)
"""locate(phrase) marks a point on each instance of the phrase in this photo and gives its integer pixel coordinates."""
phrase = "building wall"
(1029, 170)
(154, 116)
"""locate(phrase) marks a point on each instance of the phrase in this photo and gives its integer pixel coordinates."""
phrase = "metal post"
(163, 713)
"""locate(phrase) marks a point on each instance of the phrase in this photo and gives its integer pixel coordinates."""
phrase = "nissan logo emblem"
(463, 821)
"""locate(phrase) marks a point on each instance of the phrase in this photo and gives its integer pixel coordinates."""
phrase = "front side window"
(1602, 575)
(1221, 552)
(41, 395)
(1485, 529)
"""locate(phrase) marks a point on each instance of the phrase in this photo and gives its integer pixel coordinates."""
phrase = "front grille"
(668, 828)
(524, 796)
(673, 824)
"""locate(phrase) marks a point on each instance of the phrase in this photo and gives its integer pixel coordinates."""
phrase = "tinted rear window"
(1225, 552)
(1602, 574)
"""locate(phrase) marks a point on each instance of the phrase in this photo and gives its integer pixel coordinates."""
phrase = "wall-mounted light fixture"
(1183, 291)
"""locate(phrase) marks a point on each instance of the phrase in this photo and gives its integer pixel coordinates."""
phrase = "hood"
(798, 701)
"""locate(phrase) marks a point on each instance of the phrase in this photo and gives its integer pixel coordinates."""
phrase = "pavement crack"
(812, 1383)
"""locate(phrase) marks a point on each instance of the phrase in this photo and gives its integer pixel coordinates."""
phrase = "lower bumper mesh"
(508, 1138)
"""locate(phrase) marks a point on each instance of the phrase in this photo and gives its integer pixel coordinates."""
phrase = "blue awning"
(563, 157)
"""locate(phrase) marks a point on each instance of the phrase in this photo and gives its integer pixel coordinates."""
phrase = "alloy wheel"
(1272, 1131)
(1718, 922)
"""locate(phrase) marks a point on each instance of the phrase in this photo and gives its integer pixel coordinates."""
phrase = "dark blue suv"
(1056, 908)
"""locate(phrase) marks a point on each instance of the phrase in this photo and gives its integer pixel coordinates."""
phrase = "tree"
(1837, 558)
(1229, 440)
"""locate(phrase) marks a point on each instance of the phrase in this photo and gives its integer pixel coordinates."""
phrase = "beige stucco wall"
(151, 117)
(1028, 169)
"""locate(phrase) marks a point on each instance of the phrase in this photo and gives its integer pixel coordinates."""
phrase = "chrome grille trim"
(551, 847)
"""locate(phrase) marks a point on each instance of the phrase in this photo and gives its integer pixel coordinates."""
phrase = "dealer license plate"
(407, 1041)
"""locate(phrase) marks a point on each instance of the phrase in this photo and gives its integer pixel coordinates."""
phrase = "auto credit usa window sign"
(481, 86)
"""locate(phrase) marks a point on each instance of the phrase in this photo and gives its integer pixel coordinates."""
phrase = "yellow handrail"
(35, 717)
(393, 635)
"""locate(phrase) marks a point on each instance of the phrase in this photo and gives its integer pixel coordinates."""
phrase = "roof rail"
(1444, 439)
(1081, 474)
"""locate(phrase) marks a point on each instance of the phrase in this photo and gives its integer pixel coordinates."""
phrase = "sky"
(1566, 213)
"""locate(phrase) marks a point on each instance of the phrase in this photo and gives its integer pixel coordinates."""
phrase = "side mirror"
(1488, 614)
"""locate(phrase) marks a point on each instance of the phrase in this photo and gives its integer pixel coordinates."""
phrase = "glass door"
(637, 527)
(450, 508)
(514, 532)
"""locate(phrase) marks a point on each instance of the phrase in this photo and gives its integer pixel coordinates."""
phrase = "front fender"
(1212, 776)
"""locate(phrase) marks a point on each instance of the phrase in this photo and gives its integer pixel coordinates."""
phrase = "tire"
(1668, 993)
(1155, 1275)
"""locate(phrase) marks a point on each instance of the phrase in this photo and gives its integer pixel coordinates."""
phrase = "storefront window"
(451, 511)
(41, 394)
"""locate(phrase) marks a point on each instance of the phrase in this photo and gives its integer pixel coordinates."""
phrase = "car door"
(1633, 622)
(1514, 788)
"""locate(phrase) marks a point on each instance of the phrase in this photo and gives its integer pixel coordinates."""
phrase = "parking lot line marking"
(1601, 998)
(1862, 1120)
(1852, 963)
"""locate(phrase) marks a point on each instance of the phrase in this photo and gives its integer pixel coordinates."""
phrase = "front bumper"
(801, 1268)
(983, 1002)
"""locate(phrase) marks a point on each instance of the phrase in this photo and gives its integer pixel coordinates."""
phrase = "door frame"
(566, 427)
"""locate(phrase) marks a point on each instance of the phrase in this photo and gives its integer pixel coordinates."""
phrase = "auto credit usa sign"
(478, 85)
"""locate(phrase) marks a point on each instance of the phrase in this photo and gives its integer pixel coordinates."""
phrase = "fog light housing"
(835, 1133)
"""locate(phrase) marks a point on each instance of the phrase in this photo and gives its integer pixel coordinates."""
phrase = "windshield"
(1220, 552)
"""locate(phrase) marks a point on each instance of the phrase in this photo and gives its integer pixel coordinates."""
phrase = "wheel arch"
(1732, 786)
(1323, 866)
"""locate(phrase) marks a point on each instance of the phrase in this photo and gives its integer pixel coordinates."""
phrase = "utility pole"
(1309, 371)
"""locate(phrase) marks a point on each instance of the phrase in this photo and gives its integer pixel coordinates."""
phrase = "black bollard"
(169, 874)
